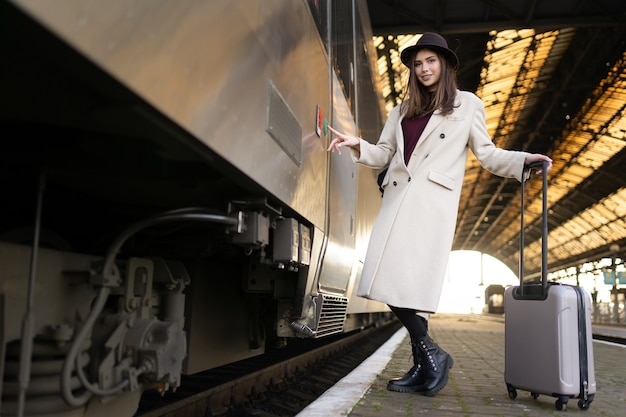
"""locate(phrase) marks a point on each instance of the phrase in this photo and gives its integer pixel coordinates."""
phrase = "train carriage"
(169, 205)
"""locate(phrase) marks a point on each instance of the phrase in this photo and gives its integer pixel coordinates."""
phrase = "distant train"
(168, 202)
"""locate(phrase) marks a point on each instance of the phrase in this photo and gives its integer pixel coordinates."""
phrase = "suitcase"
(547, 335)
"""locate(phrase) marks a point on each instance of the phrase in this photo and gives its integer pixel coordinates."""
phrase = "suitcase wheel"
(584, 404)
(561, 404)
(512, 391)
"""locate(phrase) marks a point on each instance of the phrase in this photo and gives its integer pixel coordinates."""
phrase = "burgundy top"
(412, 129)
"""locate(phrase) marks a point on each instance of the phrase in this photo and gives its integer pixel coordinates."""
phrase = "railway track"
(279, 384)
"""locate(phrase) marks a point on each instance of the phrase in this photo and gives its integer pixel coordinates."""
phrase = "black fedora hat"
(432, 41)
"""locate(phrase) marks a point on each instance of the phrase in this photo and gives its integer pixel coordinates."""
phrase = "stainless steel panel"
(206, 65)
(340, 255)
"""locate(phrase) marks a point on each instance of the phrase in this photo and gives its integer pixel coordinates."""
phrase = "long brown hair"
(418, 101)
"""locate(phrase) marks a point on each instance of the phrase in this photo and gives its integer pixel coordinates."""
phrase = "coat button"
(395, 183)
(409, 179)
(443, 135)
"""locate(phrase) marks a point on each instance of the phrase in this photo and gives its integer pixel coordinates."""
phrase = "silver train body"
(168, 202)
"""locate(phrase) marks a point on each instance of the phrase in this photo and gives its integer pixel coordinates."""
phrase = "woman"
(424, 143)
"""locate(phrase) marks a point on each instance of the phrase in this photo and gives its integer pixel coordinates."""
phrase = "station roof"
(552, 75)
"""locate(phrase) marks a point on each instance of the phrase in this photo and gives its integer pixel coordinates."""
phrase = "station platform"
(476, 384)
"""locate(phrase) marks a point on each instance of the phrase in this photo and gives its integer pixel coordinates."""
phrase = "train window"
(319, 9)
(368, 100)
(342, 43)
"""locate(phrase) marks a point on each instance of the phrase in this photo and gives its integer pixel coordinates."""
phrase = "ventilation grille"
(331, 313)
(283, 126)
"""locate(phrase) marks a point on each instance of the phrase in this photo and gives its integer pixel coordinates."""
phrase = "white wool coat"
(411, 240)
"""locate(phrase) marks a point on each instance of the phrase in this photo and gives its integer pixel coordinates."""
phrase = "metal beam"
(540, 25)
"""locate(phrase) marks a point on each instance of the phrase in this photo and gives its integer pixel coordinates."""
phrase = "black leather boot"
(413, 380)
(436, 363)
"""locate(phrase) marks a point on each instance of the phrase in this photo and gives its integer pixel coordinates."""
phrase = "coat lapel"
(435, 120)
(427, 137)
(400, 137)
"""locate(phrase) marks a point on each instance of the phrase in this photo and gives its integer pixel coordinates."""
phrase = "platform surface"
(476, 387)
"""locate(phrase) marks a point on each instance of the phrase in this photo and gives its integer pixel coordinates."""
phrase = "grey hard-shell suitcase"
(547, 336)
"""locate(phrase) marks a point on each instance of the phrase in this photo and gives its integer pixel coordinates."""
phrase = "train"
(169, 205)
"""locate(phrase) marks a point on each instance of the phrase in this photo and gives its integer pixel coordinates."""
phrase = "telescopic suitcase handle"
(544, 227)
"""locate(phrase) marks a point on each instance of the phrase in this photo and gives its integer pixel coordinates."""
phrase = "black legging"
(417, 326)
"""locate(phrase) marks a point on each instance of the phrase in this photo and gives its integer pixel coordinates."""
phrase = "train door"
(339, 254)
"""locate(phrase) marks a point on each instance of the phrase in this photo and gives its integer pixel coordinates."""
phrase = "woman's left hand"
(537, 157)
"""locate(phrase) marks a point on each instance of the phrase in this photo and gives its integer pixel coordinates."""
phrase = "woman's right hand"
(342, 140)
